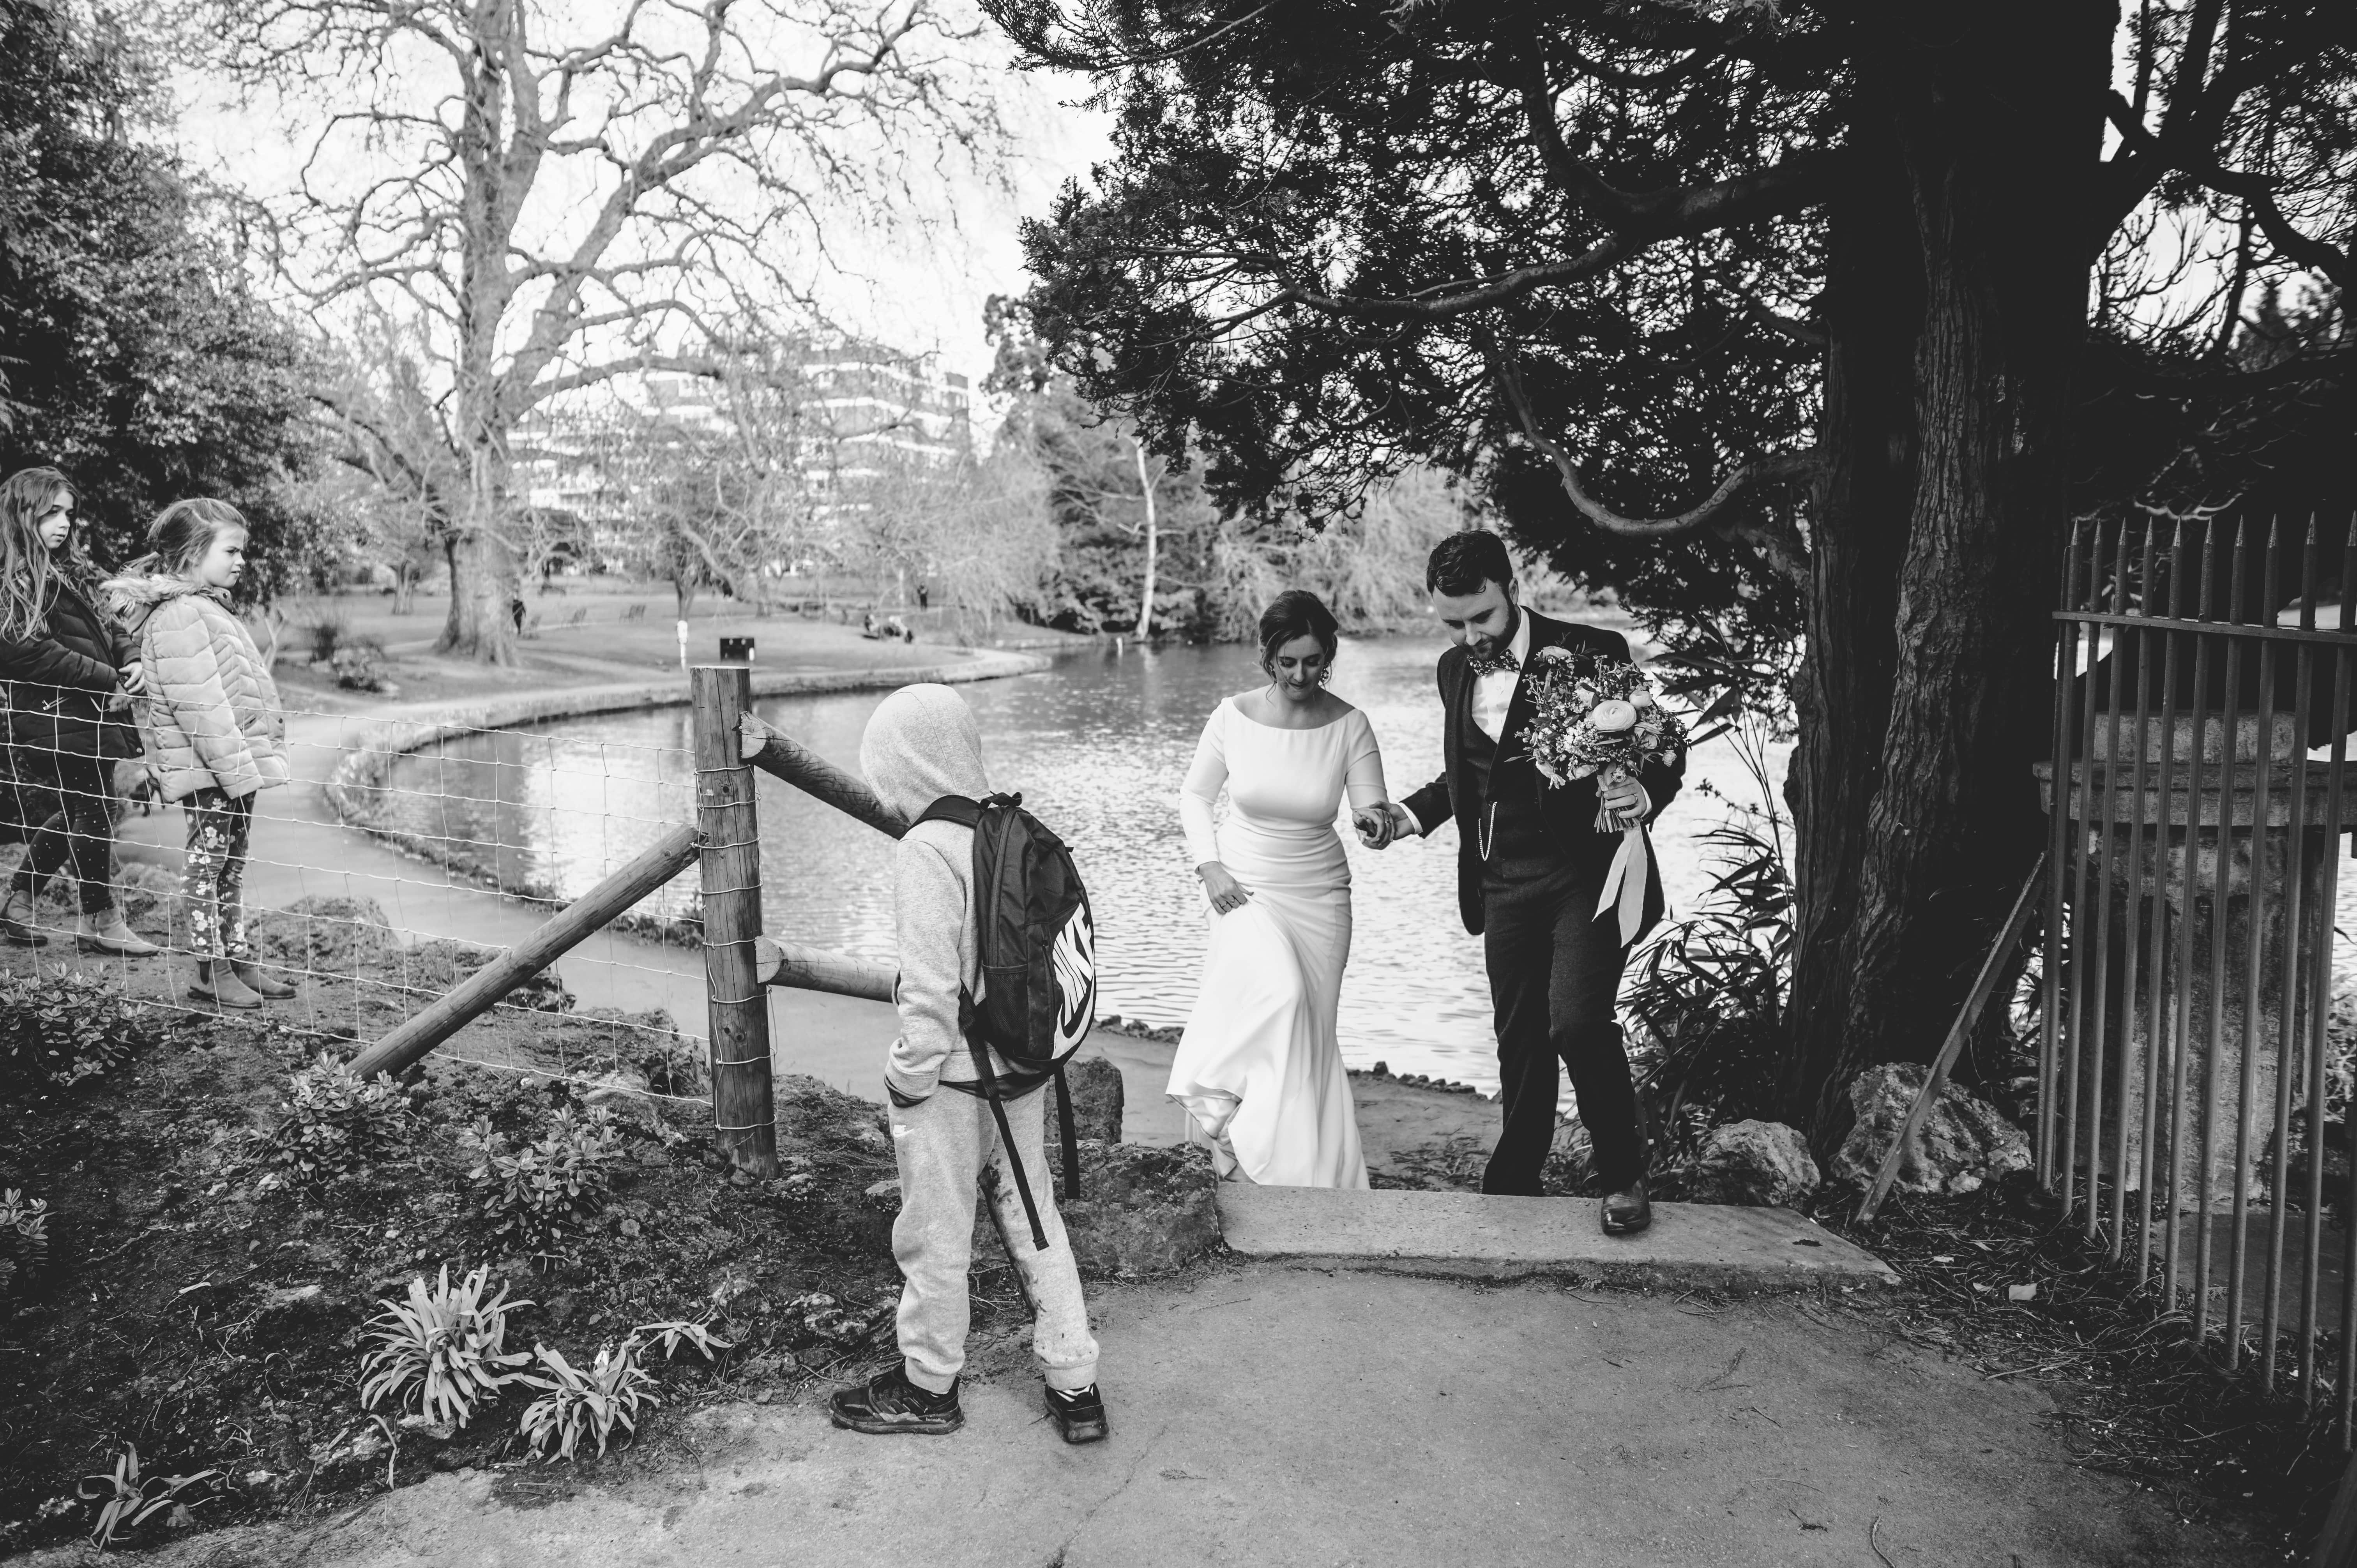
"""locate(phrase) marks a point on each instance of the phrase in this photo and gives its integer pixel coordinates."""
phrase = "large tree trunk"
(481, 625)
(1998, 140)
(1873, 310)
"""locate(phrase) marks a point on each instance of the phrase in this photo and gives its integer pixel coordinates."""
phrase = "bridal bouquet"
(1593, 717)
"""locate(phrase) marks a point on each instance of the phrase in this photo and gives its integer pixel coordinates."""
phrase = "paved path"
(1263, 1416)
(1689, 1246)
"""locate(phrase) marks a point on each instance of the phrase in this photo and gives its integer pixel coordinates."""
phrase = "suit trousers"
(1555, 971)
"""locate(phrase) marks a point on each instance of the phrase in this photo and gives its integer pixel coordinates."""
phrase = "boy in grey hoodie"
(923, 743)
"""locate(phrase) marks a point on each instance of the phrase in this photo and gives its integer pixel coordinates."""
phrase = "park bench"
(578, 617)
(635, 612)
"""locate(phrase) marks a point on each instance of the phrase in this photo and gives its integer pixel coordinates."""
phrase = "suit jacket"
(1568, 811)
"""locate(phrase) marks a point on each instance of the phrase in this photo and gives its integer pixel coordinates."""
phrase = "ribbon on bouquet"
(1624, 884)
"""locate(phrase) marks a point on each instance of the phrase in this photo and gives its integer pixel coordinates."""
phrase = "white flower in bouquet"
(1593, 715)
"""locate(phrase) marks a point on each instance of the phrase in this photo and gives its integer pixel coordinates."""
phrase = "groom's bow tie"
(1502, 662)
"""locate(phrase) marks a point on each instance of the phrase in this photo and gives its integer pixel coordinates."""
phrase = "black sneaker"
(891, 1402)
(1080, 1415)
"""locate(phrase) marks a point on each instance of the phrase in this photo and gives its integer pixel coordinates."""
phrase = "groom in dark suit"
(1531, 867)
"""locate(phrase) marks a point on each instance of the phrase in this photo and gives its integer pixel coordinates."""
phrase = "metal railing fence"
(2187, 1064)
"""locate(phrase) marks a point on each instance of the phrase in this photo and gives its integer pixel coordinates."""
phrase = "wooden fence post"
(744, 1107)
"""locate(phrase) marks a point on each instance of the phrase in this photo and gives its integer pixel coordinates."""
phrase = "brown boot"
(105, 933)
(16, 931)
(219, 985)
(261, 985)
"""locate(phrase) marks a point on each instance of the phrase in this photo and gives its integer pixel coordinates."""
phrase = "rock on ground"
(1096, 1086)
(1965, 1145)
(1761, 1164)
(1142, 1209)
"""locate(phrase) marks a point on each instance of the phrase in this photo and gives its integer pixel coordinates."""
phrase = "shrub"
(359, 666)
(443, 1349)
(126, 1502)
(335, 1125)
(325, 635)
(1709, 993)
(24, 1236)
(551, 1187)
(58, 1029)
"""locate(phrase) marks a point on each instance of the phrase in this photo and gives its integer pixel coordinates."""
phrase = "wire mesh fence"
(393, 865)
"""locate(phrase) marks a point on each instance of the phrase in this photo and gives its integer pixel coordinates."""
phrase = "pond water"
(1097, 746)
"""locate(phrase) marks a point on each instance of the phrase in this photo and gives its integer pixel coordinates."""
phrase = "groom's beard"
(1487, 648)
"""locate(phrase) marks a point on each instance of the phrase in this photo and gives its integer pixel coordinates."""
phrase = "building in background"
(838, 414)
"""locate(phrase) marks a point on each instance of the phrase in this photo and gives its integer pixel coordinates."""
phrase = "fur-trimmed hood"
(135, 594)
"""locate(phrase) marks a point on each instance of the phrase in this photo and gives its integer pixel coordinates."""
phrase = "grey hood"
(923, 743)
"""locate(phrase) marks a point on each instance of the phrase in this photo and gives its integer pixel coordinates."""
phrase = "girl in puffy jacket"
(211, 719)
(64, 664)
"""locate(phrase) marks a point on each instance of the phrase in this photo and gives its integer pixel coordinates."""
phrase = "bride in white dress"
(1258, 1068)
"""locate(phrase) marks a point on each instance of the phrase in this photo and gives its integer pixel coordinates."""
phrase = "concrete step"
(1690, 1245)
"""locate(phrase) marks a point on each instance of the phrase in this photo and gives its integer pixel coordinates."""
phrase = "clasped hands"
(1381, 823)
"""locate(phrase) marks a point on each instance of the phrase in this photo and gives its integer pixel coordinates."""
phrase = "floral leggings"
(213, 877)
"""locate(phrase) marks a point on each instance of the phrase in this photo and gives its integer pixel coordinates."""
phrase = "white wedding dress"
(1258, 1068)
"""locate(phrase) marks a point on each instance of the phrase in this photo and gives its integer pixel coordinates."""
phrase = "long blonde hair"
(28, 576)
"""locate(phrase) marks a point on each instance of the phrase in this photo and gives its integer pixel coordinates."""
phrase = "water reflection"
(1097, 746)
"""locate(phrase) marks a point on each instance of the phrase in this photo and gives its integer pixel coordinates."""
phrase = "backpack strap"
(956, 809)
(1071, 1136)
(1006, 1138)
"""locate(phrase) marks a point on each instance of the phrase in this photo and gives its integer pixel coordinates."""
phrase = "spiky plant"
(443, 1349)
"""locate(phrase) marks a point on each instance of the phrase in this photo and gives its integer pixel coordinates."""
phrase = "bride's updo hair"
(1297, 612)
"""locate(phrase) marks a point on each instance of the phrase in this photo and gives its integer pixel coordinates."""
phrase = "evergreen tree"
(135, 358)
(1777, 316)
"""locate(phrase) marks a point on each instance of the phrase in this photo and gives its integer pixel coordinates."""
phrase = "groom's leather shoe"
(1627, 1212)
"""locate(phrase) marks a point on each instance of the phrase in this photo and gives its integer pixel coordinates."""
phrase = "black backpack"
(1037, 941)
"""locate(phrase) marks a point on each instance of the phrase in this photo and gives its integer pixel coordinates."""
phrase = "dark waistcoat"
(1511, 826)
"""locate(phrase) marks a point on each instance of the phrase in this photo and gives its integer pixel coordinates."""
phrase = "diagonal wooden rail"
(480, 992)
(781, 756)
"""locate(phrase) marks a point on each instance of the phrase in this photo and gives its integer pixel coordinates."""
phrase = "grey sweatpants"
(943, 1146)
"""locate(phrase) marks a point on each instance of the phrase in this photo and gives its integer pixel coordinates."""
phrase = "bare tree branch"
(556, 210)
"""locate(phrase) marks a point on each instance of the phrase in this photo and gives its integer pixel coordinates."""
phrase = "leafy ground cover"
(224, 1216)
